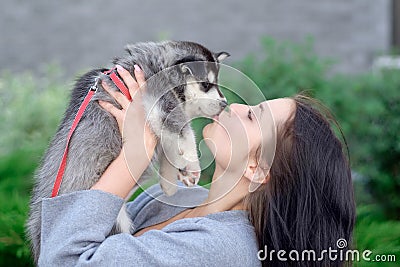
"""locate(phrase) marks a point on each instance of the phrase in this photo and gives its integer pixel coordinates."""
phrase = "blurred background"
(81, 34)
(343, 52)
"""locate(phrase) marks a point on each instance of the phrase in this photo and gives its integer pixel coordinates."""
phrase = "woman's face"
(234, 136)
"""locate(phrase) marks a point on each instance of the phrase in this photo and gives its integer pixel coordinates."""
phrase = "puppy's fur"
(175, 96)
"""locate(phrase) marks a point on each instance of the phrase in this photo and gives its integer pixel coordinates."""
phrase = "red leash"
(121, 86)
(118, 82)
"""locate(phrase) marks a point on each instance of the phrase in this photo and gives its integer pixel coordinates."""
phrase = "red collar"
(118, 82)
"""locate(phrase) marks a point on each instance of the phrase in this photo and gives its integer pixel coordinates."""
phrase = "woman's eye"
(249, 115)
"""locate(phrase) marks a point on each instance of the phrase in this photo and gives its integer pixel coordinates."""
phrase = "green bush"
(31, 110)
(374, 233)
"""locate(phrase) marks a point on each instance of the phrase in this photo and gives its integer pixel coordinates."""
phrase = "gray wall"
(84, 34)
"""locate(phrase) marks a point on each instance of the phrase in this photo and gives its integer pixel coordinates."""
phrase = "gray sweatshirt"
(75, 228)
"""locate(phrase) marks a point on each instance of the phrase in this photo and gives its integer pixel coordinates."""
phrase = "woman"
(300, 200)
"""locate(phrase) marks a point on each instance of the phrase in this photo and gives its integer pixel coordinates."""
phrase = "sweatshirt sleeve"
(75, 228)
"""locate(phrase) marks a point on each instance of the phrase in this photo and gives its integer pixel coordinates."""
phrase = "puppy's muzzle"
(223, 104)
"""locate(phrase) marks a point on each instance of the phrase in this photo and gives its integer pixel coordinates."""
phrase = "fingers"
(118, 96)
(133, 85)
(139, 75)
(117, 113)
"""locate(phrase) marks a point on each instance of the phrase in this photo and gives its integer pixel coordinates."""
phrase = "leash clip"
(94, 87)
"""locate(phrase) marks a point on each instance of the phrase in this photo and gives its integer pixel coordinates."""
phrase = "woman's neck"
(227, 192)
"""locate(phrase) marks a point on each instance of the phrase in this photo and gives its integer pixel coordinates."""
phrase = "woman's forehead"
(280, 108)
(274, 112)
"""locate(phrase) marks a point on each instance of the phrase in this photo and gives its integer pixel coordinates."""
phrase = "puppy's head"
(200, 93)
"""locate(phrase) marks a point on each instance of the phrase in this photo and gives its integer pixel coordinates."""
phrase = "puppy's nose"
(223, 104)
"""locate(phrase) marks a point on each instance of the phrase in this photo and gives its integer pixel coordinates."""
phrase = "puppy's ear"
(222, 55)
(185, 69)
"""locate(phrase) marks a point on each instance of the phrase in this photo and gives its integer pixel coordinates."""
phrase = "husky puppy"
(176, 95)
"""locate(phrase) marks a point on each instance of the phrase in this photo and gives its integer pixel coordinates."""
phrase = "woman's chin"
(206, 130)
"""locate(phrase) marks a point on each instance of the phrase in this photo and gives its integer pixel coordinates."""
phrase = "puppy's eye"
(249, 115)
(206, 85)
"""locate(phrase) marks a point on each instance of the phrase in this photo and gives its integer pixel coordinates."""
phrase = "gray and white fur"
(172, 98)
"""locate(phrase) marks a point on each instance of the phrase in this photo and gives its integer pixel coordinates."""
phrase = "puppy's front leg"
(181, 155)
(190, 173)
(168, 175)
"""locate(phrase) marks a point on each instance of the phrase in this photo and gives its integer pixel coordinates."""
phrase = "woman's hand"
(138, 140)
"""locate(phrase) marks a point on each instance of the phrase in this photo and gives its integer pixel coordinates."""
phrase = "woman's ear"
(259, 179)
(255, 173)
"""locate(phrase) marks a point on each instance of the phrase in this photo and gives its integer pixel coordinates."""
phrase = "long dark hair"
(308, 201)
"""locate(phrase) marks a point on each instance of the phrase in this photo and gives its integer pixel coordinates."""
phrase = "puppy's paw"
(190, 175)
